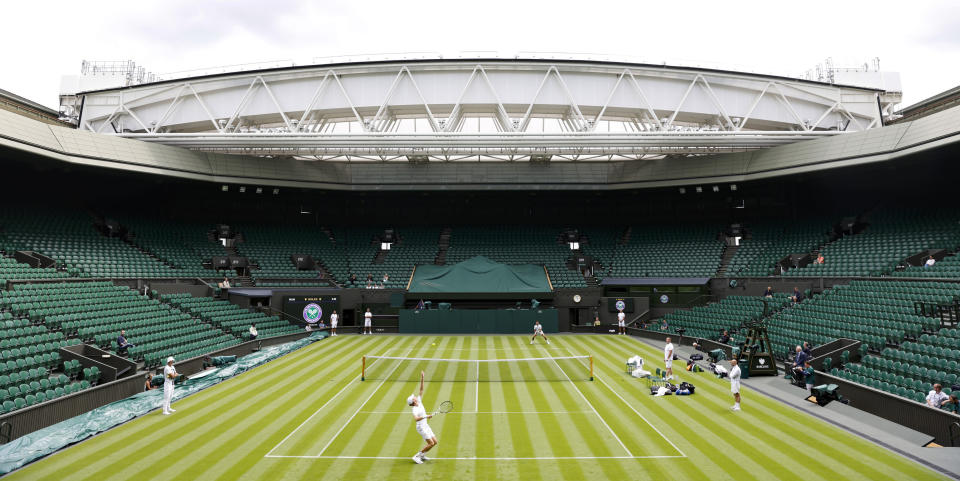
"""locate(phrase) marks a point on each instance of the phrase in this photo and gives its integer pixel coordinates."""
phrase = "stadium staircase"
(728, 253)
(443, 244)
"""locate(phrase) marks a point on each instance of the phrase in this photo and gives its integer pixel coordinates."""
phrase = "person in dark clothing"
(122, 344)
(797, 295)
(724, 337)
(148, 383)
(768, 292)
(798, 362)
(807, 350)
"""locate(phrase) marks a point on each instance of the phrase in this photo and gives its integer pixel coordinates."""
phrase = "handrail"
(278, 311)
(952, 436)
(635, 319)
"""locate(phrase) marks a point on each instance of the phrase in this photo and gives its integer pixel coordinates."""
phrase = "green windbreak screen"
(479, 274)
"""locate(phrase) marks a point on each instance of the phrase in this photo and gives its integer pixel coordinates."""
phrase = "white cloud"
(51, 38)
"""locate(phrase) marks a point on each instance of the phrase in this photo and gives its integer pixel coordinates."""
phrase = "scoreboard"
(312, 309)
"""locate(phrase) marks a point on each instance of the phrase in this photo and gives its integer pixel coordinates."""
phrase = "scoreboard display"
(616, 304)
(311, 309)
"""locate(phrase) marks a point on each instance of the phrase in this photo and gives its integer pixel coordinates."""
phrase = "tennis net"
(567, 368)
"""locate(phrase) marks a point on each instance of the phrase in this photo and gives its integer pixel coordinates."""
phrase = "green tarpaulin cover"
(480, 275)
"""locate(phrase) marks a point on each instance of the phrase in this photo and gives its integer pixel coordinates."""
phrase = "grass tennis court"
(308, 416)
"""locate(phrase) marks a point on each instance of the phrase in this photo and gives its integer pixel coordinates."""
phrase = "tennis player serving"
(420, 416)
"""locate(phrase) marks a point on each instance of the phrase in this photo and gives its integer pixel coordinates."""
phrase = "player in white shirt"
(538, 331)
(367, 321)
(668, 358)
(735, 383)
(333, 323)
(622, 322)
(169, 375)
(423, 429)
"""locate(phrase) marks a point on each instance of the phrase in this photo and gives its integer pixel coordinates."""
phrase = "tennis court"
(309, 416)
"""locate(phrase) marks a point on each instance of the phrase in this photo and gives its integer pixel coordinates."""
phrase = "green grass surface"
(308, 416)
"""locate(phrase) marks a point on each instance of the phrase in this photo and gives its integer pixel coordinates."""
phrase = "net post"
(363, 367)
(591, 368)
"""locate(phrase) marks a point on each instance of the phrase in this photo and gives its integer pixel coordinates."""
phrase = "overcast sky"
(43, 40)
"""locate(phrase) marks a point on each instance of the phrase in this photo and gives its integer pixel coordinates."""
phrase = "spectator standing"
(668, 358)
(253, 331)
(622, 322)
(334, 318)
(809, 376)
(735, 383)
(226, 283)
(368, 322)
(169, 376)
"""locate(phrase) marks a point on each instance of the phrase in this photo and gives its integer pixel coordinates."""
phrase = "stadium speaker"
(220, 262)
(238, 261)
(304, 262)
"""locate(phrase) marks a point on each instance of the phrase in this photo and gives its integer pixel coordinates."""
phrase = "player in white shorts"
(423, 429)
(622, 322)
(735, 383)
(538, 331)
(668, 358)
(333, 323)
(367, 321)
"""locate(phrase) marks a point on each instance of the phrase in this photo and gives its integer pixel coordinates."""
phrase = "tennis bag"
(685, 388)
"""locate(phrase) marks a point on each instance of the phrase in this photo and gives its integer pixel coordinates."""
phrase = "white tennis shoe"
(416, 458)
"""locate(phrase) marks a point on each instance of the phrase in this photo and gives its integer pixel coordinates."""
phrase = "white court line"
(544, 458)
(348, 384)
(682, 454)
(485, 412)
(476, 395)
(360, 407)
(624, 446)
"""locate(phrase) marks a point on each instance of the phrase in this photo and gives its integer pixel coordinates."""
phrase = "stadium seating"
(874, 312)
(415, 246)
(891, 237)
(97, 311)
(768, 243)
(71, 239)
(728, 314)
(182, 246)
(661, 251)
(270, 248)
(231, 317)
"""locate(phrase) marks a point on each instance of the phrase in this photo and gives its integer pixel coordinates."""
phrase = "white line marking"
(545, 458)
(476, 395)
(637, 413)
(350, 383)
(360, 407)
(485, 412)
(624, 446)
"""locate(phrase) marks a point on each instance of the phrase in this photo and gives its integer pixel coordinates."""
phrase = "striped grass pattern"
(308, 416)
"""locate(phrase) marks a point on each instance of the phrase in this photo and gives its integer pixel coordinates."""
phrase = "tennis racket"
(444, 408)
